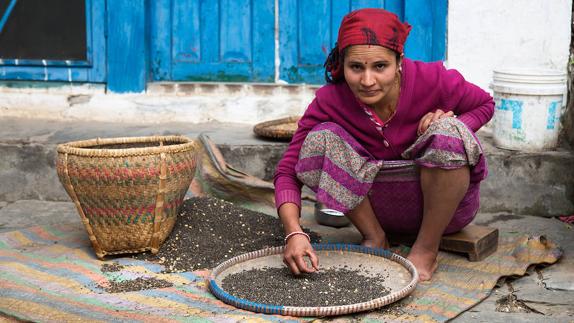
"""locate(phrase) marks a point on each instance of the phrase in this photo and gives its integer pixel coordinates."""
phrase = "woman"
(380, 107)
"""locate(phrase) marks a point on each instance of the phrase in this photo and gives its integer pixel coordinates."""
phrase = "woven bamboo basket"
(127, 190)
(280, 129)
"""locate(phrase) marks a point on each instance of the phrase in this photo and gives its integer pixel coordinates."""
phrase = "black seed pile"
(137, 284)
(328, 287)
(209, 231)
(113, 267)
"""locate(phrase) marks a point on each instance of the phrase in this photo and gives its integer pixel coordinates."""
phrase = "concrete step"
(520, 183)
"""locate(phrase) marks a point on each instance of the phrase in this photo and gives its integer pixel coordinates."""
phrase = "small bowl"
(330, 217)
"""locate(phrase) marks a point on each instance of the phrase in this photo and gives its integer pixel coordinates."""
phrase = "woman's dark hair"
(332, 63)
(334, 60)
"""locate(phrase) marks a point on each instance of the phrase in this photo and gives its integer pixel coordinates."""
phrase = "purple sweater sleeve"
(473, 106)
(287, 186)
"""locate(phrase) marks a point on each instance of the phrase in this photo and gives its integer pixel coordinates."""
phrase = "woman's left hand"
(430, 118)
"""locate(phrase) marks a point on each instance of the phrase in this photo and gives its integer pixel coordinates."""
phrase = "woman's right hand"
(297, 248)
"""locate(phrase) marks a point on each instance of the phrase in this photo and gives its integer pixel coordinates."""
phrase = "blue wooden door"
(213, 40)
(91, 67)
(308, 31)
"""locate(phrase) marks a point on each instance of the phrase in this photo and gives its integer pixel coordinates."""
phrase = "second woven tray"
(279, 129)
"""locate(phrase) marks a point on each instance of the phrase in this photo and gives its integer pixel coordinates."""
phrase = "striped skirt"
(341, 172)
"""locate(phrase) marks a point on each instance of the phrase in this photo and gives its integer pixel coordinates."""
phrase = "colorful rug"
(50, 273)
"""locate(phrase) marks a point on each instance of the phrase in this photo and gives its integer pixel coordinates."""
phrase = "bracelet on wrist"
(287, 237)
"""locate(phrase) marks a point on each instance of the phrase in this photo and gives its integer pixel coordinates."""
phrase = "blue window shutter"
(93, 69)
(214, 40)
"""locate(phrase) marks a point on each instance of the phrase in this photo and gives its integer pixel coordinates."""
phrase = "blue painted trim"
(27, 73)
(440, 11)
(552, 115)
(93, 69)
(127, 47)
(36, 62)
(7, 13)
(243, 303)
(515, 107)
(96, 45)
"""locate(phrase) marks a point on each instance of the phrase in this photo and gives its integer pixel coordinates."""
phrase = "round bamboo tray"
(279, 129)
(405, 277)
(127, 190)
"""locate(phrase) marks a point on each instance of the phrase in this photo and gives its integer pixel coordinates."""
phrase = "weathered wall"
(163, 102)
(568, 135)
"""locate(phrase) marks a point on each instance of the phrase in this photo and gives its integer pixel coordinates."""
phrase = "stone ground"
(544, 295)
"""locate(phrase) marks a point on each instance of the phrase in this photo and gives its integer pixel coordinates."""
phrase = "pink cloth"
(341, 173)
(425, 87)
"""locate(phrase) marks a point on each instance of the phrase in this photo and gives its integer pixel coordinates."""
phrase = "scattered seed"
(205, 235)
(137, 284)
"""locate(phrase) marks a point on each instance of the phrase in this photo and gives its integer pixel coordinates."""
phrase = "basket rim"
(263, 129)
(82, 147)
(316, 310)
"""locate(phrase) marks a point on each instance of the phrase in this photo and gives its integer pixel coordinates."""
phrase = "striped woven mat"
(50, 273)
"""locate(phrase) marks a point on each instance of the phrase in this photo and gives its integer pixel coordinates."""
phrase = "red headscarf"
(367, 27)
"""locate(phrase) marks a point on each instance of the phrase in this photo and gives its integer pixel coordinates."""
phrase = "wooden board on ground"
(476, 241)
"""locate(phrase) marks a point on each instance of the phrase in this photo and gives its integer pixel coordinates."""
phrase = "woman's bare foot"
(379, 242)
(424, 261)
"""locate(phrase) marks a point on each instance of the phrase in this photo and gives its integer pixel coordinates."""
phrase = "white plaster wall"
(485, 35)
(163, 102)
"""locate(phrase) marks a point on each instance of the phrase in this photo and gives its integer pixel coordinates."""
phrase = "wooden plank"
(358, 4)
(427, 39)
(478, 242)
(186, 32)
(96, 40)
(288, 42)
(397, 7)
(263, 33)
(210, 31)
(338, 10)
(475, 241)
(313, 46)
(235, 34)
(127, 59)
(160, 35)
(440, 8)
(418, 13)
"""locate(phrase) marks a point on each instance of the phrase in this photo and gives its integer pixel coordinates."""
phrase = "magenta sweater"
(425, 87)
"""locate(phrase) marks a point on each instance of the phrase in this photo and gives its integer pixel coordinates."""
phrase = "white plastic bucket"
(529, 105)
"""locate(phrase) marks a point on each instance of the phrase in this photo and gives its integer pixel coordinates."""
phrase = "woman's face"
(371, 73)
